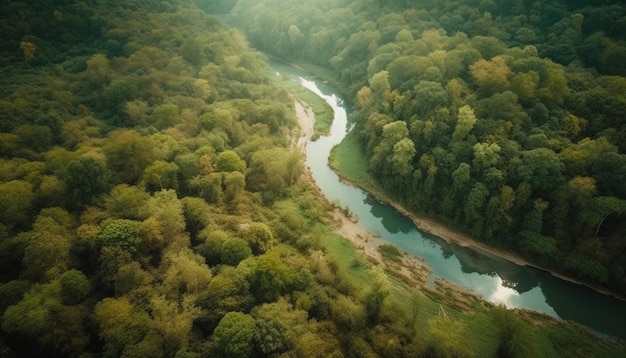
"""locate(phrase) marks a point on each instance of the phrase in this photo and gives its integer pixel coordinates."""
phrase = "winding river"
(495, 279)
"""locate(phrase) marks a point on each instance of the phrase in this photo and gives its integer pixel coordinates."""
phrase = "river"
(496, 280)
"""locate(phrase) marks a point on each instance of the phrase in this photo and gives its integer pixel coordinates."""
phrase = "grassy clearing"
(349, 160)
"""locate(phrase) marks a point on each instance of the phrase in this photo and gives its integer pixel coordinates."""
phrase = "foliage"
(74, 287)
(234, 335)
(151, 197)
(86, 178)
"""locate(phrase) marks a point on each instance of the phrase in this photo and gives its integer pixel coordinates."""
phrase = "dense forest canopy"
(152, 201)
(506, 119)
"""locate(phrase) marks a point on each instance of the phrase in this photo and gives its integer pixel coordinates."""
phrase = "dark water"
(495, 279)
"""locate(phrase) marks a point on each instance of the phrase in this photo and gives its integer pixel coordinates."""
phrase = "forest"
(503, 119)
(153, 203)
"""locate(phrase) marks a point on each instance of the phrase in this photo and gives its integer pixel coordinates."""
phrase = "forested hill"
(506, 119)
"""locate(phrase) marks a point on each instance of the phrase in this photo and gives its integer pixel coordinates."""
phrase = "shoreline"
(369, 243)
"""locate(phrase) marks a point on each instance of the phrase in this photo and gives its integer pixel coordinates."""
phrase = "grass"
(324, 113)
(390, 253)
(349, 160)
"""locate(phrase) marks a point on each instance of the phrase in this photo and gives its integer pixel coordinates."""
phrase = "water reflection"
(391, 220)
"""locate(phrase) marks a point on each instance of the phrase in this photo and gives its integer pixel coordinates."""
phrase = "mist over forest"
(153, 202)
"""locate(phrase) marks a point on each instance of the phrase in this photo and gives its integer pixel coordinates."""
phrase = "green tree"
(392, 133)
(376, 296)
(186, 272)
(600, 208)
(229, 161)
(85, 179)
(125, 201)
(234, 335)
(259, 236)
(165, 116)
(160, 175)
(491, 76)
(542, 168)
(122, 233)
(167, 209)
(228, 291)
(234, 250)
(464, 124)
(269, 277)
(17, 202)
(121, 324)
(474, 208)
(75, 287)
(235, 185)
(128, 155)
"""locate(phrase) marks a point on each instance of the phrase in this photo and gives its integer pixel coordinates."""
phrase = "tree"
(402, 157)
(516, 337)
(86, 178)
(75, 287)
(228, 291)
(491, 76)
(269, 277)
(122, 233)
(486, 155)
(160, 175)
(234, 250)
(130, 277)
(234, 335)
(165, 116)
(186, 272)
(229, 161)
(259, 236)
(235, 185)
(429, 96)
(167, 209)
(121, 324)
(375, 297)
(128, 154)
(600, 208)
(475, 208)
(28, 50)
(392, 133)
(125, 201)
(464, 124)
(542, 168)
(48, 250)
(278, 325)
(17, 202)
